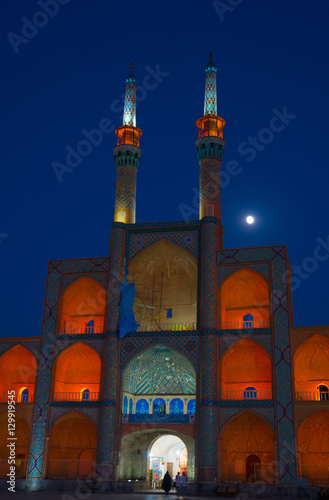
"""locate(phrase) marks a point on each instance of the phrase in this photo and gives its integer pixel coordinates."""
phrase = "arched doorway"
(17, 372)
(253, 468)
(22, 435)
(136, 448)
(167, 454)
(247, 449)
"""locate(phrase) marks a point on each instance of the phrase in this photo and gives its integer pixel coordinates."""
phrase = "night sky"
(68, 74)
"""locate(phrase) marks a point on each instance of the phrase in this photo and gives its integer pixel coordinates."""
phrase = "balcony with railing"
(244, 325)
(166, 327)
(76, 396)
(312, 396)
(247, 394)
(19, 398)
(79, 330)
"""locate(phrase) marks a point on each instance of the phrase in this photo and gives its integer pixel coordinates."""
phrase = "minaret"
(210, 149)
(127, 154)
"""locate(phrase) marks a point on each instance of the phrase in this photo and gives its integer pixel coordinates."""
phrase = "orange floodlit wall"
(17, 371)
(246, 364)
(311, 364)
(245, 436)
(83, 301)
(72, 444)
(77, 368)
(244, 292)
(313, 447)
(22, 436)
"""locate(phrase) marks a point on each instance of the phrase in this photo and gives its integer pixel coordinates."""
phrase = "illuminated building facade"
(216, 380)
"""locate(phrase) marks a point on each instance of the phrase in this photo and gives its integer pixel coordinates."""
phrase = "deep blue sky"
(66, 78)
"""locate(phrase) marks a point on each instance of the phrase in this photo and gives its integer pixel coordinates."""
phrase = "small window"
(24, 395)
(248, 321)
(90, 326)
(250, 393)
(85, 395)
(323, 392)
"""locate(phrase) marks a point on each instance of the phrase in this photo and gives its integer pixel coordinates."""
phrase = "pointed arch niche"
(17, 372)
(244, 301)
(166, 281)
(72, 444)
(77, 370)
(311, 369)
(246, 371)
(159, 380)
(83, 307)
(313, 448)
(248, 440)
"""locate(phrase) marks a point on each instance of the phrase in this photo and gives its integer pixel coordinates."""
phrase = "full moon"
(250, 219)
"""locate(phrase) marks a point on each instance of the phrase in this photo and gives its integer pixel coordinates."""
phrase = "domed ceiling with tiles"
(159, 370)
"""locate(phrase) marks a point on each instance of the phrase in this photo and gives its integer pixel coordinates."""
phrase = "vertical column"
(107, 446)
(36, 459)
(208, 411)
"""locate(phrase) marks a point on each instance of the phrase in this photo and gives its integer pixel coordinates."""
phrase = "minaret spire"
(210, 97)
(210, 149)
(127, 155)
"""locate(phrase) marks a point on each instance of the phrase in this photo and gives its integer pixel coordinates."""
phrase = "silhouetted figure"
(178, 483)
(166, 483)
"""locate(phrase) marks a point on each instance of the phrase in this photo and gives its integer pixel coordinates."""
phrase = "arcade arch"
(244, 300)
(17, 372)
(72, 446)
(166, 283)
(246, 371)
(22, 435)
(313, 448)
(77, 373)
(311, 369)
(83, 307)
(247, 449)
(138, 449)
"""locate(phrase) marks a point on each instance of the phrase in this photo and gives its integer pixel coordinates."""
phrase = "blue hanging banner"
(127, 323)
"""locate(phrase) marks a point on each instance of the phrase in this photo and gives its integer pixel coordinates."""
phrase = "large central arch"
(136, 448)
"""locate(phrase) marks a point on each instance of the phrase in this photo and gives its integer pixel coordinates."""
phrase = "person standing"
(178, 483)
(184, 483)
(166, 483)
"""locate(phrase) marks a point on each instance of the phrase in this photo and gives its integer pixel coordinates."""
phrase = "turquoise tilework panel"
(208, 367)
(208, 276)
(186, 345)
(257, 254)
(187, 239)
(106, 440)
(67, 280)
(110, 367)
(208, 444)
(115, 279)
(225, 270)
(33, 347)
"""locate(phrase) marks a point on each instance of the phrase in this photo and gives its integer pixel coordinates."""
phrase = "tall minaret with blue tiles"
(210, 149)
(127, 155)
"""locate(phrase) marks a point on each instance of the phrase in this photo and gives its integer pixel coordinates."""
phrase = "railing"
(168, 327)
(315, 475)
(19, 398)
(247, 394)
(312, 396)
(243, 325)
(70, 469)
(75, 330)
(75, 396)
